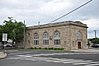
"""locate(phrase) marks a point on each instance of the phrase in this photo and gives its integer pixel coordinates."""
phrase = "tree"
(94, 40)
(1, 32)
(14, 29)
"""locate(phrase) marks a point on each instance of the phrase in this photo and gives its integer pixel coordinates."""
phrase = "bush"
(39, 48)
(48, 48)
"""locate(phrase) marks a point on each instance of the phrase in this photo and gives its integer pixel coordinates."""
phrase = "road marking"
(92, 65)
(79, 63)
(55, 60)
(24, 55)
(51, 54)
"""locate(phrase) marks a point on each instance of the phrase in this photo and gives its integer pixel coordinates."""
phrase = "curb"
(3, 55)
(86, 51)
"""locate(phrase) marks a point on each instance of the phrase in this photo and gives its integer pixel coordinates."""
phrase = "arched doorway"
(79, 45)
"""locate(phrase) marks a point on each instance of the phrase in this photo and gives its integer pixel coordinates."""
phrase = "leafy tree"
(14, 29)
(94, 40)
(1, 32)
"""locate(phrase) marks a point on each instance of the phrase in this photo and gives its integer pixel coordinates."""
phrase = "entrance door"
(79, 45)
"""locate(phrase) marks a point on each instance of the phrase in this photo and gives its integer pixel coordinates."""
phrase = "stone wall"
(67, 31)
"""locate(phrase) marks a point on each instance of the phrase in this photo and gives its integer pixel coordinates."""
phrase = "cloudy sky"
(45, 11)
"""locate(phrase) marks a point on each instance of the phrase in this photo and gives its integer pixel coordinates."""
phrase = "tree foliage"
(94, 40)
(1, 31)
(13, 28)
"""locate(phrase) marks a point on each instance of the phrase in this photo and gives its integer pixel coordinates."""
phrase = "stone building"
(68, 35)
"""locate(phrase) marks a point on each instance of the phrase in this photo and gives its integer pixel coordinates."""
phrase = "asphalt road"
(49, 58)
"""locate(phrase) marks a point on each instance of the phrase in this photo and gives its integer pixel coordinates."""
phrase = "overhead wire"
(71, 11)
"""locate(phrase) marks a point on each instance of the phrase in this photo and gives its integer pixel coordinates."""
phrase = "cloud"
(38, 10)
(55, 6)
(46, 11)
(92, 23)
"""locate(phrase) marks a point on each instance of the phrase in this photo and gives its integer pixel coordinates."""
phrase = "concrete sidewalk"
(2, 54)
(92, 50)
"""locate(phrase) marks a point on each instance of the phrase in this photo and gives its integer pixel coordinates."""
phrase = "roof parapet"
(77, 23)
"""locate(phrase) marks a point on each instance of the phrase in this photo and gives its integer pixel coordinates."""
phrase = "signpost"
(4, 38)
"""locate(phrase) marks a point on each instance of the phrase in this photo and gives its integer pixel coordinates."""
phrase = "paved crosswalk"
(50, 54)
(56, 60)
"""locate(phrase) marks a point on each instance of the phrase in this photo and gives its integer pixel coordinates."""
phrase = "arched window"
(45, 38)
(36, 39)
(79, 35)
(56, 38)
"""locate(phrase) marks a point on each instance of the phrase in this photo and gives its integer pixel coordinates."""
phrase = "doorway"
(79, 45)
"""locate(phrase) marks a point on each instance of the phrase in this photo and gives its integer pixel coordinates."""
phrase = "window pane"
(36, 36)
(36, 39)
(36, 42)
(45, 42)
(57, 42)
(45, 35)
(57, 38)
(56, 34)
(45, 38)
(79, 35)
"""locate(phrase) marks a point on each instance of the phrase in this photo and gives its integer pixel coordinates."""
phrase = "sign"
(4, 37)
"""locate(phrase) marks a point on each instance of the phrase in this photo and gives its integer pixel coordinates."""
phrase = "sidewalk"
(92, 50)
(2, 55)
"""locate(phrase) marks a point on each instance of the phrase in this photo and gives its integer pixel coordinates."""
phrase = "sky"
(45, 11)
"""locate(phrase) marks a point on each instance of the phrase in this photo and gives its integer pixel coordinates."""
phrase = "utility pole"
(95, 33)
(24, 35)
(39, 23)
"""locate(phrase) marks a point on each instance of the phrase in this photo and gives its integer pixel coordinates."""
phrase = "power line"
(71, 11)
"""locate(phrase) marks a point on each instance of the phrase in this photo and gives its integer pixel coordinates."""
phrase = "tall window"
(56, 38)
(45, 38)
(79, 35)
(36, 39)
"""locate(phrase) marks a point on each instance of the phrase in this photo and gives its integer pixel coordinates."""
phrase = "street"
(49, 58)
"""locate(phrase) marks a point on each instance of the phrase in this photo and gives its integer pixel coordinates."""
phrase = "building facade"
(68, 35)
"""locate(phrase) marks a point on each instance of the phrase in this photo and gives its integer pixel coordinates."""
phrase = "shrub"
(48, 48)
